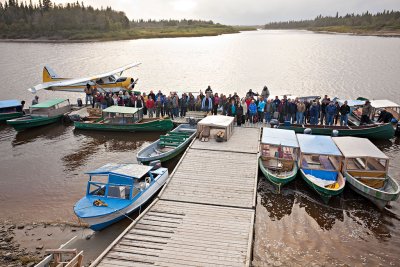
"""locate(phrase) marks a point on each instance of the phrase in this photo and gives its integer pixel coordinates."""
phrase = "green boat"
(279, 154)
(10, 109)
(320, 163)
(372, 131)
(125, 119)
(169, 145)
(366, 170)
(41, 114)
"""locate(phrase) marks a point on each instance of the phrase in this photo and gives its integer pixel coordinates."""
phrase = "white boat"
(366, 170)
(116, 190)
(169, 145)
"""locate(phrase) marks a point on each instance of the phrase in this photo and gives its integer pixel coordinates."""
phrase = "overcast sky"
(244, 12)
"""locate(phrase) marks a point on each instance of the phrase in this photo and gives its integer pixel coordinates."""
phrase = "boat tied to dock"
(279, 155)
(116, 190)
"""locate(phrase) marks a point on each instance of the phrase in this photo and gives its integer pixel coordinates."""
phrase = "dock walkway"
(204, 215)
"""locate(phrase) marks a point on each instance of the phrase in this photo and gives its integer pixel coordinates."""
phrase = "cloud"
(250, 12)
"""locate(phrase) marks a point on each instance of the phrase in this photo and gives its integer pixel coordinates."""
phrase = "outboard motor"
(192, 122)
(307, 131)
(398, 129)
(79, 102)
(335, 133)
(155, 164)
(274, 123)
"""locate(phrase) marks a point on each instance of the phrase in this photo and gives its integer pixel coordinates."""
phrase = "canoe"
(324, 192)
(380, 197)
(146, 125)
(10, 116)
(125, 189)
(276, 178)
(366, 170)
(376, 131)
(28, 121)
(162, 151)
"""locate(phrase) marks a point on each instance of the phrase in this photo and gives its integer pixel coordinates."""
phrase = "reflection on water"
(296, 228)
(105, 142)
(49, 132)
(47, 165)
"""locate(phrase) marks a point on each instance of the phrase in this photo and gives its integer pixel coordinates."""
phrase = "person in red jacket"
(150, 106)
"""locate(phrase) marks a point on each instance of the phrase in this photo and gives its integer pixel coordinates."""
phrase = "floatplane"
(107, 82)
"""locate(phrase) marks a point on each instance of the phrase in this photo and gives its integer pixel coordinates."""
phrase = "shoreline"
(160, 35)
(355, 33)
(374, 34)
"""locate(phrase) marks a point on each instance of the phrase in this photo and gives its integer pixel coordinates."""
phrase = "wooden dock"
(204, 216)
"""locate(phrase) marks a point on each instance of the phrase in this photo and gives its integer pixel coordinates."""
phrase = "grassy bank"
(128, 34)
(358, 30)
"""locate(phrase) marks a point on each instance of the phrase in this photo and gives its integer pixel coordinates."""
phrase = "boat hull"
(143, 157)
(10, 116)
(98, 223)
(379, 197)
(22, 124)
(279, 181)
(325, 193)
(382, 131)
(151, 126)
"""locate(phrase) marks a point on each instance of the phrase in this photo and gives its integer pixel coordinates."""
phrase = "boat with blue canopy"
(366, 170)
(320, 164)
(279, 154)
(10, 109)
(116, 190)
(44, 113)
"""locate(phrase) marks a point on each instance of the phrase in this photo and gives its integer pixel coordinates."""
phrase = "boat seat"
(304, 163)
(116, 191)
(326, 163)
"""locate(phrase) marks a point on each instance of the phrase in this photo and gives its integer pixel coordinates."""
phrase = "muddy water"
(42, 170)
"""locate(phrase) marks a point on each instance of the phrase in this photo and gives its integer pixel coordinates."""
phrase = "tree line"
(386, 20)
(20, 19)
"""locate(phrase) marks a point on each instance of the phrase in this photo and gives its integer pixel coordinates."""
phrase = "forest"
(386, 21)
(75, 21)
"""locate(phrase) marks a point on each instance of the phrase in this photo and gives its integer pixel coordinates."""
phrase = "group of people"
(252, 107)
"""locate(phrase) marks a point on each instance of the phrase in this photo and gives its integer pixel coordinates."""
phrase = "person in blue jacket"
(260, 109)
(252, 110)
(330, 111)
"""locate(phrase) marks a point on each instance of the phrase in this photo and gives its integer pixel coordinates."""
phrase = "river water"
(42, 170)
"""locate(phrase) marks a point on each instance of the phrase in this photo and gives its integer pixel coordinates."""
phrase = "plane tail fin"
(49, 74)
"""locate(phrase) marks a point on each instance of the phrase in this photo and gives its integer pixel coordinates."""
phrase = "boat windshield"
(109, 190)
(367, 164)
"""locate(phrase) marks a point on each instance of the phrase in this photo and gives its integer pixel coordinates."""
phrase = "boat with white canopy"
(320, 163)
(116, 190)
(366, 170)
(279, 154)
(377, 107)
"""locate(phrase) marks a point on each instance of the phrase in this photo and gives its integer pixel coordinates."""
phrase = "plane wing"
(69, 82)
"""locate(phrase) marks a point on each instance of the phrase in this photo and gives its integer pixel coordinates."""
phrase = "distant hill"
(75, 21)
(386, 22)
